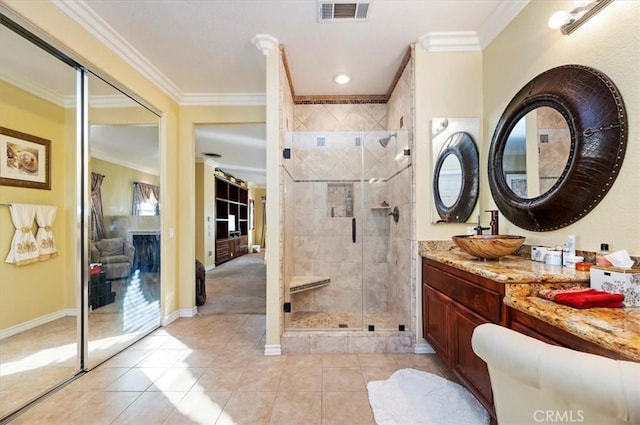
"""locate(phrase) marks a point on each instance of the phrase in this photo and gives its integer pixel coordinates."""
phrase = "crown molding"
(223, 99)
(81, 13)
(453, 41)
(40, 91)
(501, 16)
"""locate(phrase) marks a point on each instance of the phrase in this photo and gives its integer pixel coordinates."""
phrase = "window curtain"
(144, 193)
(97, 219)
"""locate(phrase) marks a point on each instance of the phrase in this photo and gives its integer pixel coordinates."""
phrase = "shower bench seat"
(305, 283)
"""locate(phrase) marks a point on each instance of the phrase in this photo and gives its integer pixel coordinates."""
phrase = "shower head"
(385, 140)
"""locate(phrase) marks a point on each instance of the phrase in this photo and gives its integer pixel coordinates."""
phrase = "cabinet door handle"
(353, 230)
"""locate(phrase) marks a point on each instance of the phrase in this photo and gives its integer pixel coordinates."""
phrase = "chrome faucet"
(493, 223)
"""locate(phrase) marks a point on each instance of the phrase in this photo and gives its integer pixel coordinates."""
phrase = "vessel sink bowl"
(488, 246)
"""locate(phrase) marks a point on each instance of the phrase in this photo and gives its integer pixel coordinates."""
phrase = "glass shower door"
(324, 230)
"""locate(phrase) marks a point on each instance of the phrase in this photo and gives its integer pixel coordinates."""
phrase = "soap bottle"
(600, 255)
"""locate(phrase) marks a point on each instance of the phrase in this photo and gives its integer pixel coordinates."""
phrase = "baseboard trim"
(209, 267)
(273, 350)
(166, 320)
(38, 321)
(188, 312)
(423, 348)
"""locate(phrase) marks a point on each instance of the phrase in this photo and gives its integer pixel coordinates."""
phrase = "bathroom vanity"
(460, 292)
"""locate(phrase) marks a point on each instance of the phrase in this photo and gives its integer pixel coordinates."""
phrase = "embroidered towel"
(24, 249)
(45, 216)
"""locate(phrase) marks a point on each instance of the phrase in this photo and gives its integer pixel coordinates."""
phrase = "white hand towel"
(45, 216)
(24, 249)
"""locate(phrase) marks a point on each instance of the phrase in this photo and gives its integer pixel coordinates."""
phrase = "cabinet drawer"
(483, 301)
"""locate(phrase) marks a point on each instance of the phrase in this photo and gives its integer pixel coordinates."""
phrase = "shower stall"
(347, 230)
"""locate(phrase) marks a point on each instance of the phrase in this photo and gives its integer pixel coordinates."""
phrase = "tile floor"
(211, 370)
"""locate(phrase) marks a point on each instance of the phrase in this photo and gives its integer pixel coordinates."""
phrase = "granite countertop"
(509, 269)
(616, 329)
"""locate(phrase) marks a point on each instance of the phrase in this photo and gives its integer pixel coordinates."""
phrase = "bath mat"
(413, 397)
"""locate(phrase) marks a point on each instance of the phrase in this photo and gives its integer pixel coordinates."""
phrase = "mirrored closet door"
(124, 230)
(39, 290)
(79, 218)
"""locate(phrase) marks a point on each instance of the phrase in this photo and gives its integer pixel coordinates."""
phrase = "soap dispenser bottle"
(600, 255)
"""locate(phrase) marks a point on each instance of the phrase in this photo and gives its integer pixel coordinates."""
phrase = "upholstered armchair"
(116, 256)
(534, 382)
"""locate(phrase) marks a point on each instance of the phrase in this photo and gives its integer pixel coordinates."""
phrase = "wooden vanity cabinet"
(455, 302)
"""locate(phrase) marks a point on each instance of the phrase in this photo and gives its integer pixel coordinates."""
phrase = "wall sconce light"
(570, 21)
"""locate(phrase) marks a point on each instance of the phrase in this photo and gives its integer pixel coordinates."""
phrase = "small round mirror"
(455, 178)
(450, 180)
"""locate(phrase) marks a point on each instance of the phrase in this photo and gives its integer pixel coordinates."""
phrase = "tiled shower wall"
(401, 291)
(322, 245)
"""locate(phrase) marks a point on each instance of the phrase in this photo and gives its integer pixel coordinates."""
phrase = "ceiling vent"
(343, 11)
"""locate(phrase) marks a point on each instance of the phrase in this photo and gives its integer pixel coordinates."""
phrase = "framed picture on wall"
(25, 160)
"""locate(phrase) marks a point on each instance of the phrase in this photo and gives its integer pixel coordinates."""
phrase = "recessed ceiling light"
(212, 155)
(341, 79)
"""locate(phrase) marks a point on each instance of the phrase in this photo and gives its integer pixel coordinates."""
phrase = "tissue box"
(619, 281)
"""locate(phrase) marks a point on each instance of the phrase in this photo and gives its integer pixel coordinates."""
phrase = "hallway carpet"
(237, 286)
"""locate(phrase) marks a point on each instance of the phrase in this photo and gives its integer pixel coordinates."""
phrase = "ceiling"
(200, 52)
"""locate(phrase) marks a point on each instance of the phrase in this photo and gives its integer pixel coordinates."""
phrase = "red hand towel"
(590, 298)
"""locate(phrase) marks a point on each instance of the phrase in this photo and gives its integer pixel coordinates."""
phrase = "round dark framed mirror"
(456, 179)
(596, 119)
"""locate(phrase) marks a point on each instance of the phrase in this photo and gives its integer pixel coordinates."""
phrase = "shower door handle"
(353, 230)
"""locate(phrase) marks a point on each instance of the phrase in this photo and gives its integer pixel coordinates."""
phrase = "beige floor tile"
(301, 379)
(233, 359)
(379, 373)
(340, 360)
(101, 408)
(97, 379)
(369, 360)
(149, 408)
(257, 377)
(340, 408)
(198, 408)
(342, 379)
(127, 358)
(297, 408)
(409, 360)
(304, 360)
(250, 408)
(198, 358)
(218, 379)
(163, 358)
(177, 379)
(54, 409)
(136, 379)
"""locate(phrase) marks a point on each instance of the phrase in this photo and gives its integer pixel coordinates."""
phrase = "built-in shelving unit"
(232, 220)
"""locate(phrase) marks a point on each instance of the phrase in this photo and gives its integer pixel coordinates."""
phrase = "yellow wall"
(60, 30)
(117, 186)
(448, 84)
(38, 289)
(610, 42)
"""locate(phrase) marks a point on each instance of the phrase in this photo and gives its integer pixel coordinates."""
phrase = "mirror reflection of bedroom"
(91, 285)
